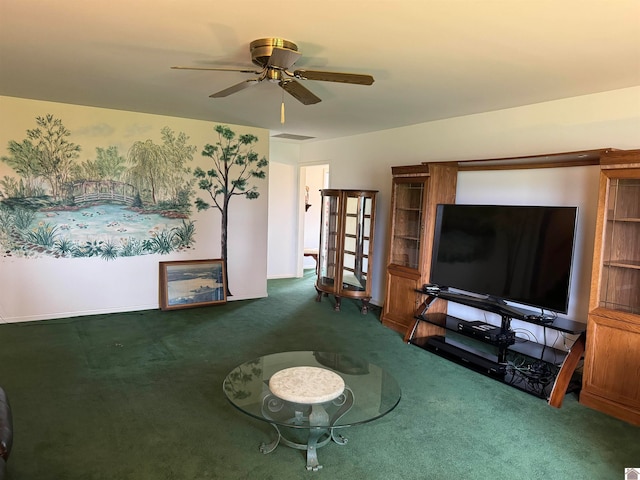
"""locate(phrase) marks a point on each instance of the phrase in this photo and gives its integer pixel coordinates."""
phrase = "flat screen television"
(514, 253)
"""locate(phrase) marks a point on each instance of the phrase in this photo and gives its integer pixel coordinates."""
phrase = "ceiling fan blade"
(241, 70)
(300, 93)
(235, 88)
(283, 58)
(355, 78)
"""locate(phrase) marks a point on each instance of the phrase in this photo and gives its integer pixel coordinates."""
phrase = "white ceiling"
(430, 59)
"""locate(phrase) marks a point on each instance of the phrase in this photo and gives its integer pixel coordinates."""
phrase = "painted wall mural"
(93, 199)
(234, 164)
(114, 204)
(117, 204)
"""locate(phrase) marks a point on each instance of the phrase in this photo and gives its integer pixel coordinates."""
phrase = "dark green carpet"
(139, 396)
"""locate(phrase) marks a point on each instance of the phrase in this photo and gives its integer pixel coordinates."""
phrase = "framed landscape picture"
(192, 283)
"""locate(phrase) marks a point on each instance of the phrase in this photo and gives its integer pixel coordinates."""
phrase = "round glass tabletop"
(369, 392)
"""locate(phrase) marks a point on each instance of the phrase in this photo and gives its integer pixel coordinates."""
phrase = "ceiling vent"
(291, 136)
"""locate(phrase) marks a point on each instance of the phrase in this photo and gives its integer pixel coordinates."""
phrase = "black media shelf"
(530, 316)
(519, 370)
(522, 346)
(463, 354)
(539, 352)
(495, 350)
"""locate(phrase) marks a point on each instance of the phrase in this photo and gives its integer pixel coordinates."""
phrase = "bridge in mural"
(90, 191)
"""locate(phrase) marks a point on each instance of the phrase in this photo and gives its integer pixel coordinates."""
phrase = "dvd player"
(486, 332)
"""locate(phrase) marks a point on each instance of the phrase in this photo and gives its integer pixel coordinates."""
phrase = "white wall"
(35, 287)
(609, 119)
(285, 210)
(283, 213)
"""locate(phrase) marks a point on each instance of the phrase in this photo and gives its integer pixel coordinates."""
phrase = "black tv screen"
(505, 252)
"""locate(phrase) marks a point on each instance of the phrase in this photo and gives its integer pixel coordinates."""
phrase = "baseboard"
(79, 313)
(106, 311)
(608, 407)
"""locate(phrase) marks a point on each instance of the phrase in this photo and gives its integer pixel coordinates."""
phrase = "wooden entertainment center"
(611, 345)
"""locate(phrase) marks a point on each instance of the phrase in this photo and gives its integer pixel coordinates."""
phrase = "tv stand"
(494, 350)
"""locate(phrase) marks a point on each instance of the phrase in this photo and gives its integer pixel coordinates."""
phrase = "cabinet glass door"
(357, 237)
(407, 227)
(620, 277)
(327, 255)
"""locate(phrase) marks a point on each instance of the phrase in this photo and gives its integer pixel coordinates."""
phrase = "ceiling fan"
(275, 57)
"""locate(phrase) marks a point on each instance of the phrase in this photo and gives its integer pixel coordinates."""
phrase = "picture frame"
(192, 283)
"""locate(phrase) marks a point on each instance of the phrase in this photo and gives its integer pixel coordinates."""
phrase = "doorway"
(313, 178)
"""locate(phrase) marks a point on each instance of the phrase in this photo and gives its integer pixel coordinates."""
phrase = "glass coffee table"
(309, 397)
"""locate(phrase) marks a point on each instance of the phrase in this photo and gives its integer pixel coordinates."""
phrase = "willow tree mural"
(108, 206)
(159, 172)
(234, 164)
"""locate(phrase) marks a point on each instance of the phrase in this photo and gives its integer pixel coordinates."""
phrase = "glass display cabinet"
(620, 266)
(611, 380)
(346, 245)
(405, 244)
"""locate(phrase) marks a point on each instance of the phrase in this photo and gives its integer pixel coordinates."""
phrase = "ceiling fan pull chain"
(282, 109)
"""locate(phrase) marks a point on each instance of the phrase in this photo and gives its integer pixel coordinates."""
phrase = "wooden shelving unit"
(611, 381)
(416, 190)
